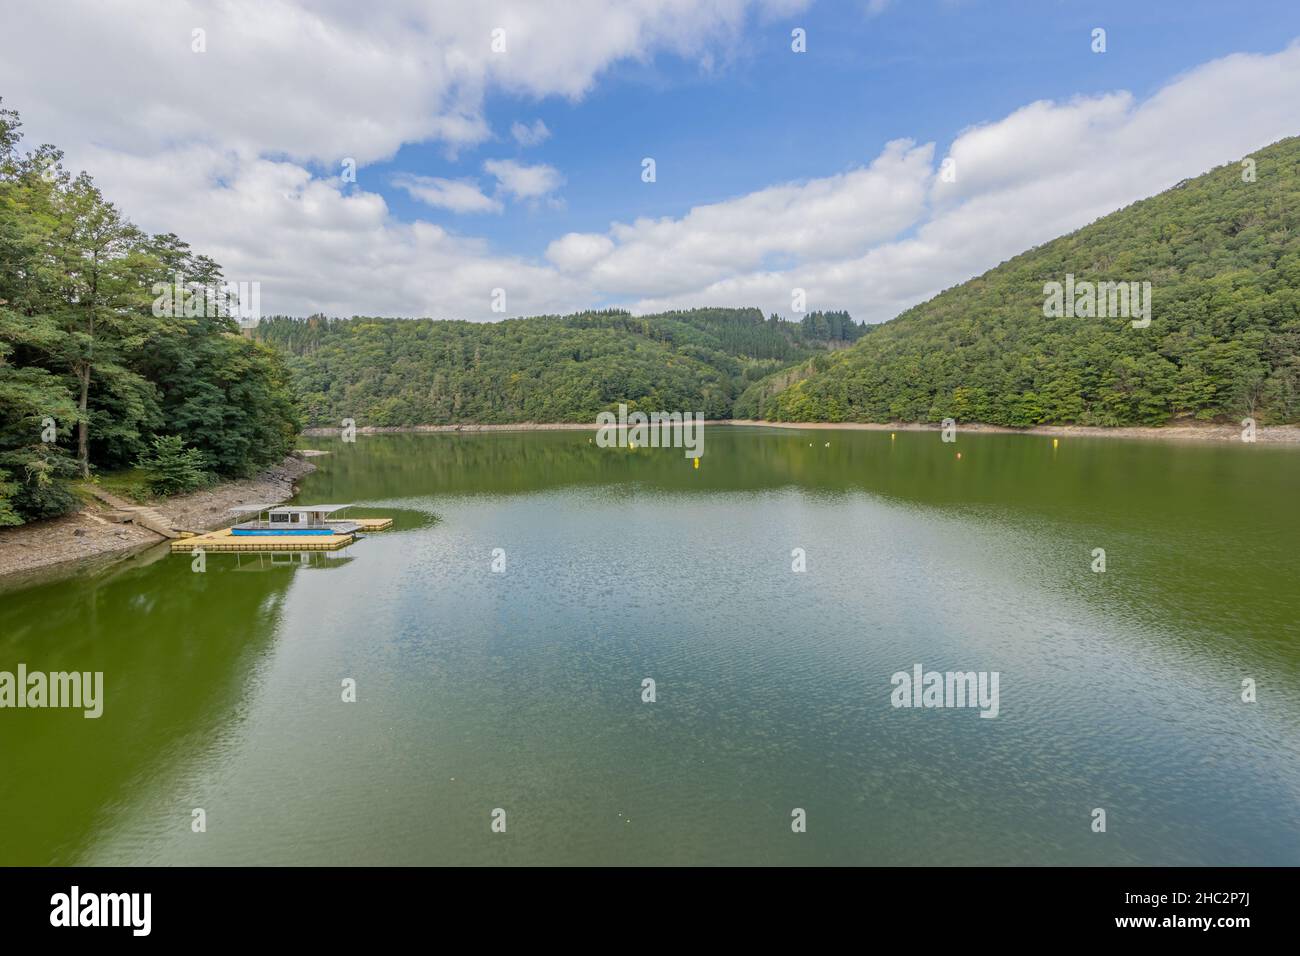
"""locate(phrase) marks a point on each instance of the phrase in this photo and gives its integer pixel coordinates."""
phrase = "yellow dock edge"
(223, 540)
(373, 524)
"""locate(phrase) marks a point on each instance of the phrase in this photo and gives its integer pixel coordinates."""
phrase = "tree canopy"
(1222, 255)
(388, 372)
(91, 373)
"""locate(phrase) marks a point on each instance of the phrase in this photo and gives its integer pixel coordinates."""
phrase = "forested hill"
(96, 373)
(1222, 254)
(388, 372)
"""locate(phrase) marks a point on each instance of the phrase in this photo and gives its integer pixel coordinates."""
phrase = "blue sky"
(923, 70)
(777, 172)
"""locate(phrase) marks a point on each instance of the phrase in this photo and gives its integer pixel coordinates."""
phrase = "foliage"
(387, 372)
(1222, 256)
(173, 468)
(8, 516)
(1223, 259)
(90, 371)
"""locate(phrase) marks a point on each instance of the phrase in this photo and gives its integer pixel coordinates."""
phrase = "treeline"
(1222, 254)
(735, 332)
(90, 377)
(387, 372)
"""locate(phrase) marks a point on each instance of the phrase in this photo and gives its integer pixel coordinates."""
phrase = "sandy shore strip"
(97, 531)
(1208, 432)
(326, 431)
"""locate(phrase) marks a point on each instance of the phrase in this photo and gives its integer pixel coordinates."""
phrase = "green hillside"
(546, 369)
(1223, 259)
(94, 374)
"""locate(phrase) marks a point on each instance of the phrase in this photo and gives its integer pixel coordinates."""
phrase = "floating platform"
(226, 540)
(372, 524)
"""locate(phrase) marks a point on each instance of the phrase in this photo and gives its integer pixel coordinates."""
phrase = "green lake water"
(522, 689)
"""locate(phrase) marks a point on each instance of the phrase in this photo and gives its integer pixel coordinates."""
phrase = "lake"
(521, 688)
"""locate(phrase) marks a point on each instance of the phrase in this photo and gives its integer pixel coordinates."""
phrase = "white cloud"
(526, 135)
(524, 182)
(223, 151)
(1043, 171)
(837, 215)
(315, 247)
(318, 81)
(458, 195)
(578, 252)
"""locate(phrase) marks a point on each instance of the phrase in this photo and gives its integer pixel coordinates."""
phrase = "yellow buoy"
(697, 462)
(892, 436)
(1055, 442)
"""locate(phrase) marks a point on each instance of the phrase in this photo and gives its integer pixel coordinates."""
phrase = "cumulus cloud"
(238, 154)
(578, 252)
(458, 195)
(529, 135)
(835, 215)
(318, 248)
(1044, 170)
(524, 182)
(319, 81)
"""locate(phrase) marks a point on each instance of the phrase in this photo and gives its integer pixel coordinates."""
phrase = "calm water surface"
(522, 689)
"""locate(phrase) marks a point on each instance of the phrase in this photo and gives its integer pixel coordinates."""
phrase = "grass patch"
(126, 483)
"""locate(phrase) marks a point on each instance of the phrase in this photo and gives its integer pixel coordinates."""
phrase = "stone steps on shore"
(141, 515)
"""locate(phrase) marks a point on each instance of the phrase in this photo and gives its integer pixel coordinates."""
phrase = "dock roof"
(285, 509)
(325, 508)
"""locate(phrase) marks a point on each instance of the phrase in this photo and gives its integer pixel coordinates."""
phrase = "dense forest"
(91, 377)
(388, 372)
(1222, 254)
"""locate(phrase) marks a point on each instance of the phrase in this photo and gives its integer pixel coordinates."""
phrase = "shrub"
(31, 485)
(173, 468)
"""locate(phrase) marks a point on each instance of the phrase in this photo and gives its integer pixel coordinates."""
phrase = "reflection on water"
(522, 689)
(291, 560)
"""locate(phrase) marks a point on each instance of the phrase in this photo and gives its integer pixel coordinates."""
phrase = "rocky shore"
(99, 529)
(1199, 432)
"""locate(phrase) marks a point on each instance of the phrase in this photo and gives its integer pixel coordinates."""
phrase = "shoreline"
(97, 534)
(1273, 434)
(326, 431)
(1209, 432)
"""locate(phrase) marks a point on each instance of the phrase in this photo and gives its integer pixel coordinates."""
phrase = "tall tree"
(92, 356)
(105, 308)
(36, 406)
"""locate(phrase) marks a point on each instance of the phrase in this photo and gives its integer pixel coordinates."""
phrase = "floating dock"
(330, 536)
(223, 540)
(373, 524)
